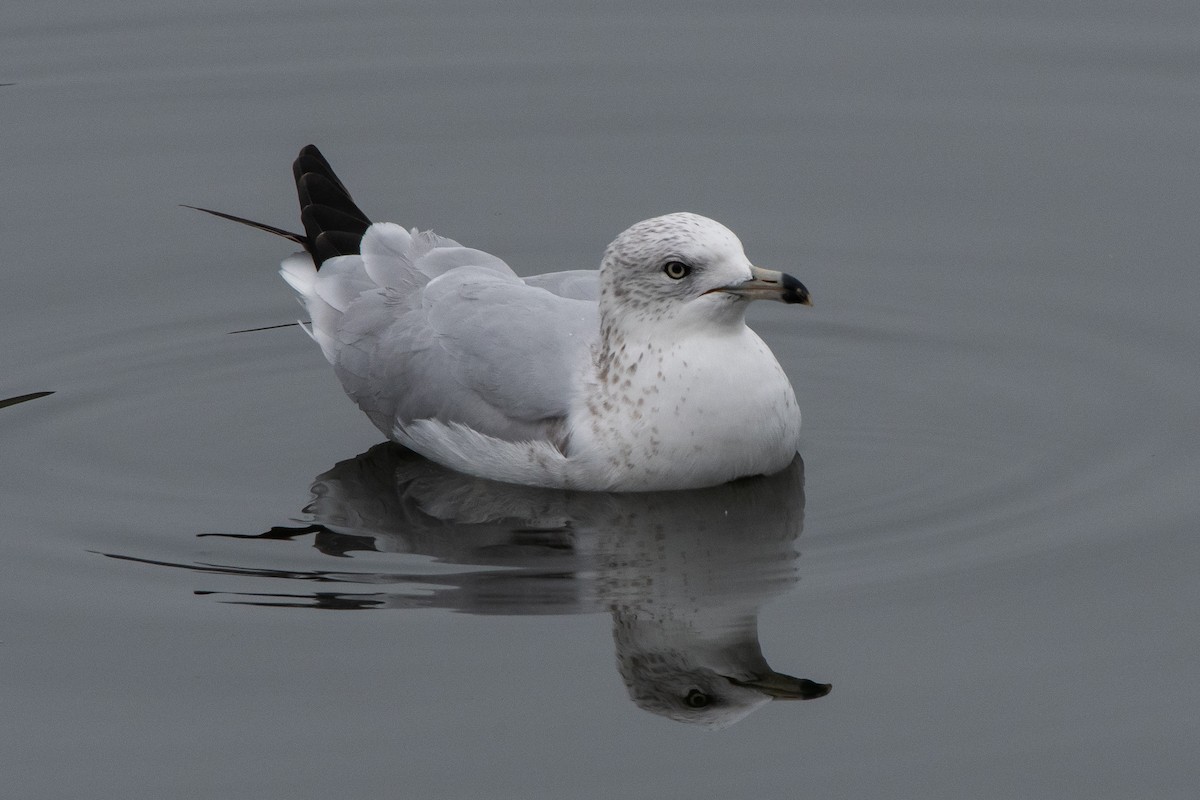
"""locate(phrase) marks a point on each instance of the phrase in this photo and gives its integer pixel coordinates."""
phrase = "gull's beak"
(767, 284)
(784, 687)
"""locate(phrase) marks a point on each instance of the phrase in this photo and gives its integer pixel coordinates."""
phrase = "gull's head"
(688, 268)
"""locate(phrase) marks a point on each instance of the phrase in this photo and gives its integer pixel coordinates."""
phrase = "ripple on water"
(148, 424)
(926, 450)
(983, 443)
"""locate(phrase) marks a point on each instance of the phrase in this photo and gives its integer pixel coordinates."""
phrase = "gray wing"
(453, 334)
(578, 284)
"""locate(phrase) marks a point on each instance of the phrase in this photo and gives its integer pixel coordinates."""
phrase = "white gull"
(641, 376)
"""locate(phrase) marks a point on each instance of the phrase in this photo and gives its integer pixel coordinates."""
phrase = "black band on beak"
(794, 291)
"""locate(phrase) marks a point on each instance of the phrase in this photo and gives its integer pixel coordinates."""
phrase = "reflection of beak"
(784, 687)
(767, 284)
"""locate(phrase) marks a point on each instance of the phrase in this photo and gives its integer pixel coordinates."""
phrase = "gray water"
(214, 585)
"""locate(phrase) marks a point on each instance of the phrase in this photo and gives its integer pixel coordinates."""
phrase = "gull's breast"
(696, 412)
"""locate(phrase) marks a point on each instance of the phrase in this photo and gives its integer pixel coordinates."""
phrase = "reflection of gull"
(642, 376)
(683, 574)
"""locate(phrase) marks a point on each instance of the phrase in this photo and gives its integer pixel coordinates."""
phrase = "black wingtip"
(333, 223)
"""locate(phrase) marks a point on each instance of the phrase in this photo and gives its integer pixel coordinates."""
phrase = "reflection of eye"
(696, 699)
(676, 270)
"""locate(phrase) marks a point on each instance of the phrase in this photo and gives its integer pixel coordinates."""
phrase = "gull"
(641, 376)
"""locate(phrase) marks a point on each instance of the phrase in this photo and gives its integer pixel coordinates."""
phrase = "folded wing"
(419, 327)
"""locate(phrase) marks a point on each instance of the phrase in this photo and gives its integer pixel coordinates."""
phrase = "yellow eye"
(676, 270)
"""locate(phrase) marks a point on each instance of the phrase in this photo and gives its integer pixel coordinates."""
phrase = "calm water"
(989, 549)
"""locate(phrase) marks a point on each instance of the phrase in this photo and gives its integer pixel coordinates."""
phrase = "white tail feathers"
(300, 273)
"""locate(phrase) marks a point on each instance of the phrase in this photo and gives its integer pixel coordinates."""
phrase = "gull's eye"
(676, 270)
(696, 698)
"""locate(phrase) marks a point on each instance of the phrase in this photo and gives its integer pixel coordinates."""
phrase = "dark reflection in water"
(683, 574)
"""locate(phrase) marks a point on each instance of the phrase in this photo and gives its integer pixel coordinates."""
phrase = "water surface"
(988, 549)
